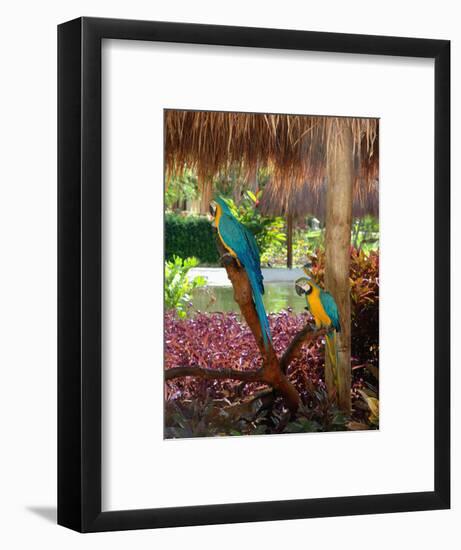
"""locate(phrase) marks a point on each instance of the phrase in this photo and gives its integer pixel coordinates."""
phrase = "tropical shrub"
(190, 236)
(365, 233)
(178, 287)
(305, 243)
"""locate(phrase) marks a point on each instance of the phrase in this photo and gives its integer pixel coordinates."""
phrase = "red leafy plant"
(222, 340)
(197, 407)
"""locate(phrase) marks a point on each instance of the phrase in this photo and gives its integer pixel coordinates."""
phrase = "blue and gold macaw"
(241, 245)
(324, 310)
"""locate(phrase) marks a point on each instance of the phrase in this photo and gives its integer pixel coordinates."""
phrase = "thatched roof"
(293, 146)
(301, 200)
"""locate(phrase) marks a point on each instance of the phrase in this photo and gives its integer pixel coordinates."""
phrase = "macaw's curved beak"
(301, 286)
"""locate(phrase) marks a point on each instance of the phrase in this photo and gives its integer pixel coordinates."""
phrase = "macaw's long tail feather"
(332, 350)
(260, 310)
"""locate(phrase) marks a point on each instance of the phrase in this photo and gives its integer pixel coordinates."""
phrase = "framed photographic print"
(254, 270)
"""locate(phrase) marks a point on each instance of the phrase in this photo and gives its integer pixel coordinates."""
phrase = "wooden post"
(206, 188)
(337, 252)
(290, 241)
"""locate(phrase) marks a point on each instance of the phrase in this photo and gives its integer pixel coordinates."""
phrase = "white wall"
(28, 270)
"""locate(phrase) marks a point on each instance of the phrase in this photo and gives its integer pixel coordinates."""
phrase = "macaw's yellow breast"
(217, 218)
(316, 308)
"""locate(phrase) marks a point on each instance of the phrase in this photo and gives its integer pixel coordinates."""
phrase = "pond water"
(277, 296)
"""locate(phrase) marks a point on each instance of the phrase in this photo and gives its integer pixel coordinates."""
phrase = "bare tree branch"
(214, 374)
(304, 336)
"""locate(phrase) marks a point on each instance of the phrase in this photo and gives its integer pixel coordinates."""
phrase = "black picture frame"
(79, 274)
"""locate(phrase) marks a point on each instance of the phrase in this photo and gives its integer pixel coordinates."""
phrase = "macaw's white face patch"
(213, 208)
(302, 286)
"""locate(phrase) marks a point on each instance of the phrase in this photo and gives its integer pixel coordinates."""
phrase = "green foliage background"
(178, 287)
(187, 236)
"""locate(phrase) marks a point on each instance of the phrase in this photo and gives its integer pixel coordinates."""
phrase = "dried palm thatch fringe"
(294, 147)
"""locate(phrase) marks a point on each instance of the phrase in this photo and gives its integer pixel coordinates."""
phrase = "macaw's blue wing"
(239, 239)
(250, 238)
(331, 348)
(331, 309)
